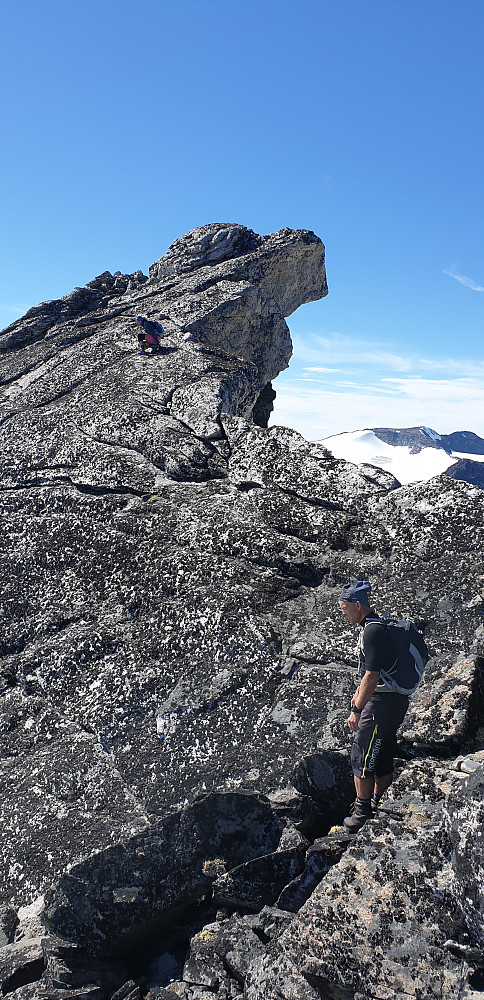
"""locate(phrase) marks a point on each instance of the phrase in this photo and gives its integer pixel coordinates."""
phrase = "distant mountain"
(464, 441)
(413, 454)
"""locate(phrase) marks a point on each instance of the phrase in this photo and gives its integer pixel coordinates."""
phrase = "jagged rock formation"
(174, 678)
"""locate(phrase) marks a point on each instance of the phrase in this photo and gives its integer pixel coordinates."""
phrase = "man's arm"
(363, 694)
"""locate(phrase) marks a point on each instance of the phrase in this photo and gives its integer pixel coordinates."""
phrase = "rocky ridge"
(174, 678)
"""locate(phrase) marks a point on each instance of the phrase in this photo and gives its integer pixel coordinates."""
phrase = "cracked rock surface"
(174, 679)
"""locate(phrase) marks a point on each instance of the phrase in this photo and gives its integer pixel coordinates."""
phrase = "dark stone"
(237, 946)
(264, 406)
(269, 923)
(121, 888)
(325, 853)
(21, 963)
(464, 441)
(128, 991)
(8, 923)
(468, 471)
(327, 778)
(259, 882)
(158, 993)
(414, 438)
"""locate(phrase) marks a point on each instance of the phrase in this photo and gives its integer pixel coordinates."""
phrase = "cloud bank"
(373, 387)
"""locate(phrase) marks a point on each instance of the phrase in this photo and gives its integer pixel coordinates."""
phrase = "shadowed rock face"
(174, 679)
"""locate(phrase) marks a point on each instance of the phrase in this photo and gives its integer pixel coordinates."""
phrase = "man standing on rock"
(376, 711)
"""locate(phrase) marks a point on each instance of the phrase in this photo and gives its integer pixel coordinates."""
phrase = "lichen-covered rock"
(282, 459)
(379, 921)
(175, 676)
(447, 705)
(464, 823)
(77, 406)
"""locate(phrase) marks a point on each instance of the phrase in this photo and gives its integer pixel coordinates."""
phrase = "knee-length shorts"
(375, 741)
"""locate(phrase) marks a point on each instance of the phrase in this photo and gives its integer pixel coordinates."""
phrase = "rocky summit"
(174, 677)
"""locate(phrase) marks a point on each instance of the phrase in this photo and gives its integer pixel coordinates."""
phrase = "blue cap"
(356, 590)
(139, 319)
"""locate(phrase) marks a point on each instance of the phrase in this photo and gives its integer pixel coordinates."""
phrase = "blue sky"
(126, 126)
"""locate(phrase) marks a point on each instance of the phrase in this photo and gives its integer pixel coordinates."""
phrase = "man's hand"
(353, 722)
(362, 694)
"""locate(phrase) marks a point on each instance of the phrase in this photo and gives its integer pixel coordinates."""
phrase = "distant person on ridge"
(150, 335)
(377, 707)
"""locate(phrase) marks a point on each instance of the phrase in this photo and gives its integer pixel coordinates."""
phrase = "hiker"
(150, 337)
(377, 708)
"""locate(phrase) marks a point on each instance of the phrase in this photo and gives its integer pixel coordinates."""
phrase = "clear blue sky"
(124, 126)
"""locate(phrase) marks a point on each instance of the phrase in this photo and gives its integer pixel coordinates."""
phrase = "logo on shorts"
(372, 759)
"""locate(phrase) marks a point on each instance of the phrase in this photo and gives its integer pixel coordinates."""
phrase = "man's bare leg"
(364, 787)
(382, 783)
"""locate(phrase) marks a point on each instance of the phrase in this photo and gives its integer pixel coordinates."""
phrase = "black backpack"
(411, 656)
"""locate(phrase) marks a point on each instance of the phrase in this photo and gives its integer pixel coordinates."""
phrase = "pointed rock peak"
(287, 265)
(208, 245)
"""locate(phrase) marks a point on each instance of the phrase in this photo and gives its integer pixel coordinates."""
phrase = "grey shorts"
(374, 744)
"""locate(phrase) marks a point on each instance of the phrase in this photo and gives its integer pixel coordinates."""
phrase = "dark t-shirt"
(378, 653)
(378, 650)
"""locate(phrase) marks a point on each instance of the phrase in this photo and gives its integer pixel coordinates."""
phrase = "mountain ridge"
(175, 676)
(462, 449)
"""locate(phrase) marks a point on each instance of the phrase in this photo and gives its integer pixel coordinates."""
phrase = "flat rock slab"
(115, 891)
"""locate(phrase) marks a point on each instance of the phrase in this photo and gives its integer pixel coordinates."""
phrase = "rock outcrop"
(174, 678)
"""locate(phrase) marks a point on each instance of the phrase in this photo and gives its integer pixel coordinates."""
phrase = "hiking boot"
(375, 805)
(358, 815)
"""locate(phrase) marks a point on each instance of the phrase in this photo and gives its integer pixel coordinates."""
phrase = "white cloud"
(337, 349)
(319, 369)
(443, 404)
(375, 387)
(462, 390)
(454, 366)
(468, 282)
